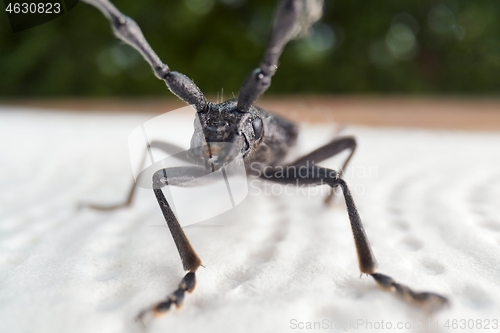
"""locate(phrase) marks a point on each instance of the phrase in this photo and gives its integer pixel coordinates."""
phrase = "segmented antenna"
(311, 12)
(293, 19)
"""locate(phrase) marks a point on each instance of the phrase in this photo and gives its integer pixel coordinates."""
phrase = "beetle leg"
(176, 298)
(336, 146)
(190, 260)
(163, 146)
(366, 259)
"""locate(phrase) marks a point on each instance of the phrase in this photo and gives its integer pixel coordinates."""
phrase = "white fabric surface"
(429, 201)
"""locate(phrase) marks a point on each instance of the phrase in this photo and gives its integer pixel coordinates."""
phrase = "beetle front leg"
(176, 298)
(190, 260)
(165, 147)
(366, 259)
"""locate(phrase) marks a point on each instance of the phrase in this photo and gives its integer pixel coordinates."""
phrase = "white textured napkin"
(429, 201)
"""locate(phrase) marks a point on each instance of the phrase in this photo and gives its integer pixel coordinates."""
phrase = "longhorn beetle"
(258, 135)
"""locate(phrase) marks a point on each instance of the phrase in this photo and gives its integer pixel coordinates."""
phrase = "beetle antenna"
(129, 32)
(293, 19)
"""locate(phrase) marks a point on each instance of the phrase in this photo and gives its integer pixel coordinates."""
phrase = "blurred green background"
(386, 46)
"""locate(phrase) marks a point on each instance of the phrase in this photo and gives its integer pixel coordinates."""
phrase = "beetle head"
(222, 133)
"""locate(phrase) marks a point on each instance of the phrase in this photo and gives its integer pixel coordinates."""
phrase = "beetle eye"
(257, 128)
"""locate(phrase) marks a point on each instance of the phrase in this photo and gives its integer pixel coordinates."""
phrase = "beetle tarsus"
(176, 298)
(432, 302)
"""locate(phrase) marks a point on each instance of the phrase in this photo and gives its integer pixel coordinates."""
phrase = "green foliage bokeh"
(386, 46)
